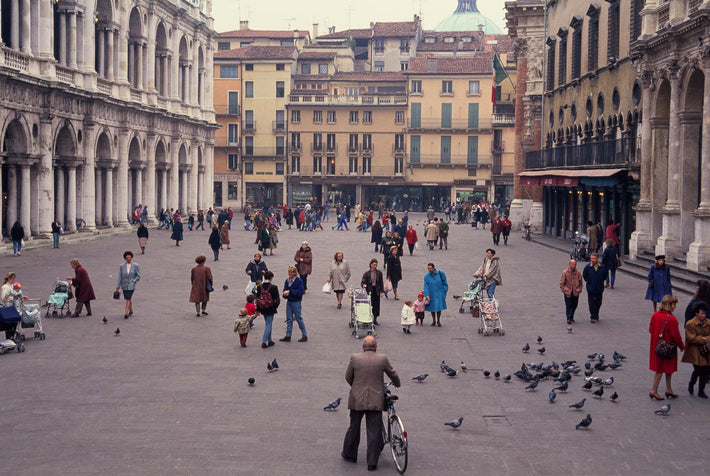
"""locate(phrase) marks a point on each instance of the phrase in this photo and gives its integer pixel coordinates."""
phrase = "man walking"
(293, 293)
(594, 274)
(365, 375)
(571, 287)
(443, 234)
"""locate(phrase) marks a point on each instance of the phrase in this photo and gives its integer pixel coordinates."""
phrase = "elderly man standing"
(594, 274)
(571, 287)
(365, 375)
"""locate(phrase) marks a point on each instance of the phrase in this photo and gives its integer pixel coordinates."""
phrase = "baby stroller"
(9, 317)
(490, 318)
(471, 297)
(31, 318)
(361, 318)
(58, 301)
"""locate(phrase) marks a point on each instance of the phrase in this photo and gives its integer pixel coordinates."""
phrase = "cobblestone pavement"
(170, 394)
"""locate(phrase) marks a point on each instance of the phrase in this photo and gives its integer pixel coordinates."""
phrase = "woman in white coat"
(339, 276)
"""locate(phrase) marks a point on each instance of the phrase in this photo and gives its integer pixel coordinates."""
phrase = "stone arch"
(691, 146)
(15, 136)
(106, 40)
(184, 69)
(660, 114)
(65, 144)
(103, 146)
(135, 153)
(162, 60)
(136, 49)
(161, 173)
(15, 145)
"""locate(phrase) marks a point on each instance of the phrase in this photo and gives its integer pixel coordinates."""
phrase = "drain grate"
(496, 420)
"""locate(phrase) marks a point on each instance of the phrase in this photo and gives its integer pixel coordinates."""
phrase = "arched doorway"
(691, 141)
(659, 131)
(104, 181)
(135, 174)
(14, 153)
(65, 165)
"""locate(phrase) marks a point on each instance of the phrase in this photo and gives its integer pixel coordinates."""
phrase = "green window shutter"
(446, 115)
(472, 150)
(445, 149)
(473, 116)
(416, 115)
(414, 142)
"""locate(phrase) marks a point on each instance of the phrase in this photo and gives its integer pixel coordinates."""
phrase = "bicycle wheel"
(398, 444)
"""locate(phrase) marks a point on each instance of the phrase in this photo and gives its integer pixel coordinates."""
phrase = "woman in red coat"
(659, 320)
(411, 236)
(84, 291)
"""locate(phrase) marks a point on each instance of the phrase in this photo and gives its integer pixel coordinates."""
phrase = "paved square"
(170, 394)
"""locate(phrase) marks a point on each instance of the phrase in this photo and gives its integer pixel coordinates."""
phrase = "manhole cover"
(496, 420)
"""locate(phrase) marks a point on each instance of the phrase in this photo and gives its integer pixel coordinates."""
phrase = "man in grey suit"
(365, 375)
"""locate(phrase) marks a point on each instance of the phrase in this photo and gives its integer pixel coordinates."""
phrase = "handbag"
(665, 349)
(705, 349)
(208, 286)
(619, 263)
(116, 295)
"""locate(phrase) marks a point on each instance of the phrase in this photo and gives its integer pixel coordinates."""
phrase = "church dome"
(468, 18)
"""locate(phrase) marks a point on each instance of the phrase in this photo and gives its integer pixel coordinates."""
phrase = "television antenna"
(289, 20)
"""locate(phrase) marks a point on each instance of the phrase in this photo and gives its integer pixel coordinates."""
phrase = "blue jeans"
(16, 246)
(55, 237)
(611, 277)
(268, 320)
(571, 306)
(293, 310)
(491, 290)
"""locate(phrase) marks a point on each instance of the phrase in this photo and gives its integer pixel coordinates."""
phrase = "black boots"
(691, 384)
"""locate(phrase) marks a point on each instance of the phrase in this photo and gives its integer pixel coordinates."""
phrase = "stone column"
(70, 224)
(642, 238)
(26, 37)
(150, 197)
(192, 192)
(88, 191)
(174, 176)
(138, 192)
(183, 192)
(108, 197)
(131, 66)
(208, 194)
(12, 196)
(62, 38)
(122, 54)
(163, 189)
(102, 47)
(109, 57)
(123, 210)
(207, 85)
(129, 193)
(59, 194)
(25, 198)
(150, 84)
(45, 175)
(139, 67)
(46, 40)
(72, 40)
(99, 199)
(15, 26)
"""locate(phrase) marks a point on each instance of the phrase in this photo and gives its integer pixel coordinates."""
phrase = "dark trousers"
(411, 248)
(571, 306)
(595, 303)
(701, 373)
(496, 239)
(505, 238)
(375, 303)
(304, 278)
(375, 442)
(80, 305)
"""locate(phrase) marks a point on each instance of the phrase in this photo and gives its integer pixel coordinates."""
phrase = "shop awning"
(568, 177)
(571, 172)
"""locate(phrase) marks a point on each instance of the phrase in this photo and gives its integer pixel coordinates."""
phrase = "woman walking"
(215, 242)
(17, 233)
(225, 235)
(256, 268)
(304, 263)
(659, 281)
(387, 244)
(373, 283)
(142, 236)
(435, 289)
(201, 279)
(273, 239)
(394, 270)
(664, 326)
(177, 230)
(128, 275)
(610, 259)
(339, 276)
(376, 236)
(263, 238)
(697, 348)
(411, 236)
(84, 291)
(269, 312)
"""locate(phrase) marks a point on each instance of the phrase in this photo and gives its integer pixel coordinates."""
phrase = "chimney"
(295, 35)
(243, 24)
(315, 31)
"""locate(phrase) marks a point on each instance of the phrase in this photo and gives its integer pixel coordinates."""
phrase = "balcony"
(15, 60)
(249, 127)
(278, 126)
(367, 149)
(331, 149)
(453, 161)
(434, 123)
(446, 92)
(617, 152)
(399, 150)
(263, 152)
(228, 110)
(344, 174)
(503, 120)
(497, 148)
(317, 149)
(353, 149)
(341, 100)
(295, 149)
(226, 142)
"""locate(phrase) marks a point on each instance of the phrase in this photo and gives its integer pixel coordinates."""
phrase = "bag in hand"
(665, 349)
(117, 295)
(208, 286)
(705, 349)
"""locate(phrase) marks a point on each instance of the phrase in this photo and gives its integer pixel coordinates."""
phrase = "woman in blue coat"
(435, 289)
(177, 232)
(659, 281)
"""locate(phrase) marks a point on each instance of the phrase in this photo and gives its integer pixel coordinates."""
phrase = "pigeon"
(663, 410)
(563, 387)
(588, 373)
(533, 385)
(617, 356)
(443, 366)
(592, 356)
(451, 372)
(601, 357)
(551, 396)
(251, 380)
(275, 364)
(539, 340)
(608, 382)
(587, 365)
(587, 386)
(104, 320)
(599, 392)
(506, 378)
(117, 332)
(496, 375)
(269, 367)
(420, 378)
(332, 405)
(579, 404)
(615, 365)
(614, 396)
(454, 423)
(584, 423)
(596, 380)
(455, 296)
(541, 350)
(601, 367)
(486, 373)
(463, 367)
(224, 287)
(526, 348)
(576, 370)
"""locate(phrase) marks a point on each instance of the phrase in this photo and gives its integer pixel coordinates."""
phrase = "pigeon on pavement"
(332, 405)
(592, 356)
(105, 320)
(274, 364)
(420, 378)
(506, 378)
(269, 367)
(454, 423)
(599, 392)
(608, 382)
(579, 404)
(486, 373)
(584, 423)
(533, 385)
(455, 296)
(451, 372)
(563, 387)
(117, 332)
(251, 380)
(663, 410)
(463, 367)
(526, 348)
(617, 356)
(443, 366)
(551, 396)
(541, 350)
(614, 396)
(224, 287)
(496, 375)
(539, 340)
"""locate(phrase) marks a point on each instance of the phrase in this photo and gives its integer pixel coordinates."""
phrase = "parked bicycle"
(394, 433)
(580, 247)
(526, 232)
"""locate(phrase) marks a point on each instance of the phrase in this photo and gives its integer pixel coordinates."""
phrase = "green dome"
(468, 18)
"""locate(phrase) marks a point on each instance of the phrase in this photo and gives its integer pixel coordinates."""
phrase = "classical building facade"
(104, 105)
(673, 61)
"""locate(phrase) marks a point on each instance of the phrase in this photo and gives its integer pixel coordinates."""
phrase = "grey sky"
(301, 14)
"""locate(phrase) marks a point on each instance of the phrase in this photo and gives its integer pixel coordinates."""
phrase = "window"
(404, 65)
(550, 63)
(330, 143)
(404, 45)
(249, 89)
(416, 115)
(231, 72)
(249, 123)
(472, 155)
(288, 42)
(331, 117)
(249, 67)
(317, 117)
(323, 68)
(280, 67)
(367, 165)
(233, 103)
(446, 115)
(249, 146)
(562, 70)
(317, 142)
(576, 46)
(353, 145)
(379, 65)
(367, 142)
(447, 87)
(399, 165)
(280, 120)
(473, 115)
(449, 39)
(612, 50)
(367, 117)
(354, 117)
(233, 161)
(474, 88)
(232, 191)
(295, 164)
(306, 68)
(242, 44)
(352, 168)
(280, 146)
(430, 39)
(280, 166)
(349, 91)
(416, 87)
(445, 149)
(296, 140)
(399, 117)
(635, 30)
(317, 165)
(295, 116)
(414, 156)
(593, 37)
(399, 142)
(223, 46)
(279, 89)
(233, 134)
(248, 168)
(379, 46)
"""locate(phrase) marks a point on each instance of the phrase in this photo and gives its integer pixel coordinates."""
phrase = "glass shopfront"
(403, 197)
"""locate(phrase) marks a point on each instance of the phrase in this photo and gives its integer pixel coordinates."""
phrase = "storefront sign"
(554, 181)
(430, 185)
(383, 183)
(464, 182)
(529, 180)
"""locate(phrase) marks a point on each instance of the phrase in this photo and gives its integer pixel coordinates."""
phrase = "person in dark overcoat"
(215, 241)
(304, 263)
(659, 281)
(375, 286)
(394, 269)
(83, 290)
(199, 276)
(376, 231)
(177, 232)
(663, 323)
(256, 268)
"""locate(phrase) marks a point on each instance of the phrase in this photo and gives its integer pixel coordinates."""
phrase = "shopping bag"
(250, 288)
(388, 286)
(416, 245)
(327, 288)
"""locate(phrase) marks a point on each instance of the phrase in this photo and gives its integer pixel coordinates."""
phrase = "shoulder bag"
(665, 349)
(208, 286)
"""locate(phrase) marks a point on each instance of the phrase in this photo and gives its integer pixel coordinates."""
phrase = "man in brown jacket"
(367, 397)
(571, 287)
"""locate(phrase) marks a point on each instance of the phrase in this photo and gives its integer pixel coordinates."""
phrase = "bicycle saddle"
(391, 398)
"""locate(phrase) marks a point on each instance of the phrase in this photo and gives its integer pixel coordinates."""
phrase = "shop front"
(345, 194)
(416, 198)
(264, 193)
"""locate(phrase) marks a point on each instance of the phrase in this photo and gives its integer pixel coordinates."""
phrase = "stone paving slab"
(169, 395)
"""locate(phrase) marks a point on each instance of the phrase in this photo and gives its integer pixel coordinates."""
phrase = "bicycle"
(526, 233)
(393, 432)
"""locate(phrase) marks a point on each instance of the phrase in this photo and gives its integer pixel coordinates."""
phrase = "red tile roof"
(280, 34)
(258, 53)
(389, 29)
(345, 34)
(316, 55)
(481, 64)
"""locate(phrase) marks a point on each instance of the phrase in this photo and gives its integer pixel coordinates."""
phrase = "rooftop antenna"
(289, 20)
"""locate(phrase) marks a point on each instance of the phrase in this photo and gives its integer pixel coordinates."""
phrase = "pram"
(9, 317)
(490, 318)
(31, 318)
(361, 318)
(471, 296)
(58, 301)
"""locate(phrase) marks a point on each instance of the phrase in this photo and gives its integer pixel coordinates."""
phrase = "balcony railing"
(15, 59)
(455, 124)
(610, 152)
(320, 149)
(249, 127)
(295, 149)
(106, 87)
(263, 152)
(399, 99)
(457, 160)
(306, 170)
(501, 120)
(278, 126)
(226, 142)
(498, 147)
(367, 149)
(64, 74)
(400, 149)
(331, 149)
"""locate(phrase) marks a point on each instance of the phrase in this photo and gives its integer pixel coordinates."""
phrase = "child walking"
(419, 308)
(241, 325)
(251, 308)
(407, 316)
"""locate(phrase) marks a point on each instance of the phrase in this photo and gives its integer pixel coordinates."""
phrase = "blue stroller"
(58, 302)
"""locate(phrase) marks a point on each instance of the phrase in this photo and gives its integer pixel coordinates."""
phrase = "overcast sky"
(343, 14)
